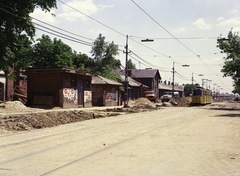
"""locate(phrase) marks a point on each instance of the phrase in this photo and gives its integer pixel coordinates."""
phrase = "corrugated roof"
(102, 80)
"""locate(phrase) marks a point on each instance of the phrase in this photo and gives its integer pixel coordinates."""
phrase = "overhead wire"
(110, 27)
(54, 32)
(70, 39)
(180, 38)
(160, 68)
(51, 31)
(130, 37)
(64, 36)
(173, 36)
(87, 43)
(62, 29)
(91, 18)
(163, 27)
(59, 34)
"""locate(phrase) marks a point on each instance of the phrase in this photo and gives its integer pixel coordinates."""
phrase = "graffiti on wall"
(87, 96)
(70, 94)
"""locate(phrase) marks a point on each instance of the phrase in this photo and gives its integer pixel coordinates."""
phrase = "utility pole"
(173, 81)
(126, 76)
(192, 78)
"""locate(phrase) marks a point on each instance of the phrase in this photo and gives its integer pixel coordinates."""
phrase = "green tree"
(50, 53)
(19, 56)
(131, 65)
(231, 67)
(14, 21)
(188, 89)
(104, 58)
(82, 61)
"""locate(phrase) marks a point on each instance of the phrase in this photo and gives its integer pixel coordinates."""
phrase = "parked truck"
(149, 94)
(168, 95)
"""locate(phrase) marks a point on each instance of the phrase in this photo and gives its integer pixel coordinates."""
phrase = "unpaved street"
(174, 141)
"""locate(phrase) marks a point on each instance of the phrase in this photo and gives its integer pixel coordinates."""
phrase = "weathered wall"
(105, 95)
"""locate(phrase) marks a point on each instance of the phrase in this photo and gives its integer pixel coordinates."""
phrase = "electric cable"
(172, 36)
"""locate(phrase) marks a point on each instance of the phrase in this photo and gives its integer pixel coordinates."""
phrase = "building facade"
(64, 87)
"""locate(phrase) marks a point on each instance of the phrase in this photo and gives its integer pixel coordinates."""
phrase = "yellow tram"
(201, 96)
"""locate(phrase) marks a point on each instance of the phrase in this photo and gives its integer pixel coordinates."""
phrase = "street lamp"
(147, 40)
(222, 40)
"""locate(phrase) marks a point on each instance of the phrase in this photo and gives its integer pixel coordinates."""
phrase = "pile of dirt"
(143, 103)
(182, 101)
(39, 120)
(13, 106)
(15, 116)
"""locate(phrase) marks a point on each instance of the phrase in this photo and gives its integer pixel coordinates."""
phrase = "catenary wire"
(173, 36)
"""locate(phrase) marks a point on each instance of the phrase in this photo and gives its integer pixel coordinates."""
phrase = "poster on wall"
(87, 96)
(70, 94)
(109, 96)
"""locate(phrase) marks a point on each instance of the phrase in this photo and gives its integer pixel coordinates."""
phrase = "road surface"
(171, 141)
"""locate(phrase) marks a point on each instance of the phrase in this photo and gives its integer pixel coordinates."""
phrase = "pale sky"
(184, 33)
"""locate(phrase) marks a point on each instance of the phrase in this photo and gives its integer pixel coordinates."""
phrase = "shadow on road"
(230, 109)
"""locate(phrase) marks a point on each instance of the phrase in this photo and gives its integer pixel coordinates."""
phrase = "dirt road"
(170, 141)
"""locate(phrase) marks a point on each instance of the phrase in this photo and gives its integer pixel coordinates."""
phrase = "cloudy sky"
(184, 33)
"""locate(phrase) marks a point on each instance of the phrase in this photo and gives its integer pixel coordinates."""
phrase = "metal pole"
(173, 82)
(126, 76)
(192, 78)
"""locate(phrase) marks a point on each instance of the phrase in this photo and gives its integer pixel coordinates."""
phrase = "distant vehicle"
(176, 94)
(201, 96)
(168, 95)
(149, 94)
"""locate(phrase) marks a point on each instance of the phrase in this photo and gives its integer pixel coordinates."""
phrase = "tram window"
(197, 92)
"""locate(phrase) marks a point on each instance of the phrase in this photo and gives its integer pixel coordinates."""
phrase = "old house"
(105, 92)
(9, 88)
(148, 77)
(134, 88)
(163, 87)
(64, 87)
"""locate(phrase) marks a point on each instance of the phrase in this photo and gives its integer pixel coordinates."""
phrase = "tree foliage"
(52, 53)
(188, 89)
(231, 67)
(82, 61)
(19, 56)
(104, 58)
(130, 64)
(15, 21)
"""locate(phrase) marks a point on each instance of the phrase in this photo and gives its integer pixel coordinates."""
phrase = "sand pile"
(13, 106)
(183, 101)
